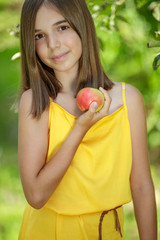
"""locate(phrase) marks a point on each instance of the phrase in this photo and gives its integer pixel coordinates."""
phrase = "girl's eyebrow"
(54, 24)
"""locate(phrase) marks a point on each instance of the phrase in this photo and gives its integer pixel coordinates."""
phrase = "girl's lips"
(60, 57)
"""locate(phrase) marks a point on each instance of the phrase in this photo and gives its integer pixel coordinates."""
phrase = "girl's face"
(57, 44)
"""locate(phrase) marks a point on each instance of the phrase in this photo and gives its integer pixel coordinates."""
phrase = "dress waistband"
(118, 226)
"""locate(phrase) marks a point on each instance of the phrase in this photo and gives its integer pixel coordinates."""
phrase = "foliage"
(154, 7)
(124, 28)
(108, 14)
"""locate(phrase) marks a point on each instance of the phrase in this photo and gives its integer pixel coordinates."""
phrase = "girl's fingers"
(107, 101)
(87, 119)
(91, 111)
(105, 93)
(93, 107)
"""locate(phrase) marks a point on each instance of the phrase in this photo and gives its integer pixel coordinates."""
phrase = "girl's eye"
(63, 28)
(39, 36)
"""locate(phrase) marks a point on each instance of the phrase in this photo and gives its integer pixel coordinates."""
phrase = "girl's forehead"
(47, 15)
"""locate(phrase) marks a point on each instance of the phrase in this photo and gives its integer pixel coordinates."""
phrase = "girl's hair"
(39, 77)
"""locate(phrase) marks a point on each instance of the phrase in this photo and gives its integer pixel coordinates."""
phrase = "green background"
(125, 57)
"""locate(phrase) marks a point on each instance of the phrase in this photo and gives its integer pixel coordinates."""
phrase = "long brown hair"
(39, 77)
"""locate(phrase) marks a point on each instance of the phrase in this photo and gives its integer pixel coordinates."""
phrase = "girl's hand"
(86, 120)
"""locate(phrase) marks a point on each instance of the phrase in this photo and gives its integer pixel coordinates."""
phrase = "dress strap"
(123, 93)
(50, 112)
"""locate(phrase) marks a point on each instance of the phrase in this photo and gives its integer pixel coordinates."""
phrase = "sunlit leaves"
(105, 13)
(157, 34)
(155, 8)
(142, 3)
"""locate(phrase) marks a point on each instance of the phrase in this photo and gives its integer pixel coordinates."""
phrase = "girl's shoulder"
(130, 90)
(133, 97)
(132, 94)
(25, 103)
(136, 108)
(25, 107)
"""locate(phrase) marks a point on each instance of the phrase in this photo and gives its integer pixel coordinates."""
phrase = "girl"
(77, 169)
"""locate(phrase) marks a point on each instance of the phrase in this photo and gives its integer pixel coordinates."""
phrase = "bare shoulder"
(133, 96)
(26, 102)
(25, 107)
(135, 105)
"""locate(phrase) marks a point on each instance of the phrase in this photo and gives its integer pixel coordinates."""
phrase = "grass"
(12, 201)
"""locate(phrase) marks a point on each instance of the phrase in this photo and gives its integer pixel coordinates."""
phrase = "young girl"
(77, 169)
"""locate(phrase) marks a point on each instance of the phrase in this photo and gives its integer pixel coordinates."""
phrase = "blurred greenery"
(124, 28)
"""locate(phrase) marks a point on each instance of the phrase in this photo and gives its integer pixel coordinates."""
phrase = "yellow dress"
(96, 181)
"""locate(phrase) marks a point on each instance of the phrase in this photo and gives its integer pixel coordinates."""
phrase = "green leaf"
(156, 62)
(157, 34)
(156, 13)
(120, 2)
(101, 44)
(155, 8)
(122, 18)
(142, 3)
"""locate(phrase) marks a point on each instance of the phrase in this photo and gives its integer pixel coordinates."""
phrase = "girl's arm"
(141, 181)
(40, 179)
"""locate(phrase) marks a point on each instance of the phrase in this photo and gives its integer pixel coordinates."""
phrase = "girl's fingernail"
(94, 104)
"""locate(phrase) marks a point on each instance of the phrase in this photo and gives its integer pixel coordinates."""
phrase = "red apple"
(88, 95)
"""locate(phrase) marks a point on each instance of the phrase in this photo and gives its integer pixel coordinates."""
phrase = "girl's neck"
(68, 81)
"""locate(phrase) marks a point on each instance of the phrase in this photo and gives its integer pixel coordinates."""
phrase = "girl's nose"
(53, 42)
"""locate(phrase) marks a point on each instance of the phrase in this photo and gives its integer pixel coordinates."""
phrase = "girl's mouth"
(60, 57)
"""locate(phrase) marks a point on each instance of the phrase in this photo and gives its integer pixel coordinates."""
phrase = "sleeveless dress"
(87, 204)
